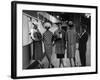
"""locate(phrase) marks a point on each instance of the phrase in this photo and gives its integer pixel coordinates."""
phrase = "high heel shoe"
(52, 66)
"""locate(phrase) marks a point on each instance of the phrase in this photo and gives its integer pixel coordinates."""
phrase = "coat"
(82, 48)
(59, 42)
(71, 37)
(37, 46)
(47, 39)
(82, 42)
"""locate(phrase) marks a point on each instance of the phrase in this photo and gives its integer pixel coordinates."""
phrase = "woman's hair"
(35, 26)
(70, 24)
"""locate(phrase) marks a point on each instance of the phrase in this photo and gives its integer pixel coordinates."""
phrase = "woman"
(71, 36)
(59, 38)
(37, 44)
(83, 45)
(48, 42)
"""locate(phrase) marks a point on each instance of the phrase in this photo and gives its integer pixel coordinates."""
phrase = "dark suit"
(82, 48)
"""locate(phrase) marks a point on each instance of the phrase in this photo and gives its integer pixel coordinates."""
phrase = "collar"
(83, 33)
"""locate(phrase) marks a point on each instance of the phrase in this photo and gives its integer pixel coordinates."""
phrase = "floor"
(55, 61)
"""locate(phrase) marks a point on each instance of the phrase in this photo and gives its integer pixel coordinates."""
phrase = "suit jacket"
(83, 41)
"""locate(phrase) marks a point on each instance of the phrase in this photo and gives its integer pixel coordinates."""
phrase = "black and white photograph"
(53, 39)
(56, 39)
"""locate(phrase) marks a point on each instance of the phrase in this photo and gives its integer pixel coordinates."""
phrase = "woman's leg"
(60, 62)
(70, 62)
(39, 63)
(74, 61)
(49, 60)
(50, 63)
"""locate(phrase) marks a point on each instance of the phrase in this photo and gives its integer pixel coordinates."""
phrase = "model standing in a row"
(63, 40)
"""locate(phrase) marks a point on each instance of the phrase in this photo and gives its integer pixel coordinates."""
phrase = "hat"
(70, 22)
(34, 21)
(47, 24)
(58, 22)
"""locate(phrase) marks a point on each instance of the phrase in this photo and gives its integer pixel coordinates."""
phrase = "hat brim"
(47, 24)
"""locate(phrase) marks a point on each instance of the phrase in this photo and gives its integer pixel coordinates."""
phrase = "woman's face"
(35, 27)
(47, 25)
(70, 24)
(47, 28)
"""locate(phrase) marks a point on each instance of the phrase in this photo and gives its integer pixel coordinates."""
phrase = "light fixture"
(87, 15)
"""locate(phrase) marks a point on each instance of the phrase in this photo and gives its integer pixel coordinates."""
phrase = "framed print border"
(14, 38)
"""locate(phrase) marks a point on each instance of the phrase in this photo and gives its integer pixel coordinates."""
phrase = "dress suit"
(82, 48)
(59, 43)
(71, 37)
(47, 39)
(37, 46)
